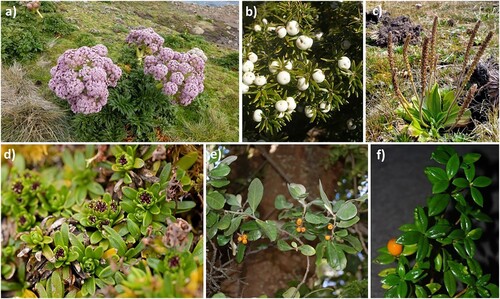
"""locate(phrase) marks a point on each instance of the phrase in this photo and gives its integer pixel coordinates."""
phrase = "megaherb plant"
(290, 67)
(428, 110)
(435, 255)
(86, 223)
(321, 229)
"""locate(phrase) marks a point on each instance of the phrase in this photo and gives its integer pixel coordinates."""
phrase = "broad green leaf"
(387, 272)
(460, 272)
(95, 237)
(221, 170)
(347, 211)
(212, 218)
(384, 259)
(254, 235)
(115, 240)
(233, 227)
(95, 188)
(391, 280)
(223, 240)
(470, 172)
(106, 272)
(307, 250)
(452, 166)
(225, 222)
(413, 275)
(292, 291)
(476, 196)
(438, 262)
(435, 174)
(348, 223)
(465, 223)
(354, 242)
(219, 183)
(422, 248)
(281, 203)
(269, 228)
(438, 203)
(215, 200)
(442, 154)
(240, 252)
(187, 161)
(460, 249)
(438, 231)
(481, 181)
(440, 186)
(255, 193)
(42, 293)
(314, 218)
(283, 246)
(133, 228)
(129, 192)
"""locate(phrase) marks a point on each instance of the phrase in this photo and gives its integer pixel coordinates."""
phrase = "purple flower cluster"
(180, 73)
(145, 39)
(82, 77)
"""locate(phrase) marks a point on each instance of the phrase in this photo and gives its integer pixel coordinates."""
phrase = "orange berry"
(330, 226)
(302, 229)
(240, 239)
(298, 229)
(299, 222)
(327, 237)
(245, 241)
(394, 248)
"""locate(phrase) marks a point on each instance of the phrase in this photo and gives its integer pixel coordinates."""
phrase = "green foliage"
(89, 237)
(320, 228)
(439, 252)
(276, 56)
(26, 36)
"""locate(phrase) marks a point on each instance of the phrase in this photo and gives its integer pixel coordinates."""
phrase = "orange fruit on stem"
(394, 248)
(299, 222)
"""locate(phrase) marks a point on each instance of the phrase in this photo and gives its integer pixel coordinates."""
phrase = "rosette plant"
(293, 73)
(126, 161)
(436, 255)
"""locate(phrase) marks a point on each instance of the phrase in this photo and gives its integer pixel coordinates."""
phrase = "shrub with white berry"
(300, 67)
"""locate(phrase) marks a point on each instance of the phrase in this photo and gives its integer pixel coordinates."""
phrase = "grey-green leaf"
(255, 193)
(347, 211)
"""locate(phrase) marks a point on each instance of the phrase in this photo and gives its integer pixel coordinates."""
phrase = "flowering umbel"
(82, 77)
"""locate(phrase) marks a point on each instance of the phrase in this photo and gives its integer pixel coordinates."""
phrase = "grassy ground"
(215, 118)
(456, 19)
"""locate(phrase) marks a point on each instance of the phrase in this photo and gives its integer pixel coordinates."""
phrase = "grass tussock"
(26, 116)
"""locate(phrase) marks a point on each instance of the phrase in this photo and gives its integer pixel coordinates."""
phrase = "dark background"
(399, 184)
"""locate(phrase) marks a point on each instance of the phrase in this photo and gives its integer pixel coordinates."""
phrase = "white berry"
(248, 78)
(325, 107)
(257, 115)
(260, 80)
(281, 31)
(274, 66)
(291, 104)
(304, 42)
(257, 28)
(252, 57)
(247, 66)
(318, 76)
(283, 77)
(244, 88)
(344, 63)
(302, 84)
(281, 106)
(292, 28)
(309, 111)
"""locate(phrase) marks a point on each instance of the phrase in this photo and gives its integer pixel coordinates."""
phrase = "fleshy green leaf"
(116, 240)
(438, 203)
(450, 283)
(409, 238)
(481, 181)
(452, 166)
(476, 196)
(348, 223)
(221, 170)
(187, 161)
(56, 285)
(283, 246)
(215, 200)
(240, 252)
(307, 250)
(314, 218)
(269, 228)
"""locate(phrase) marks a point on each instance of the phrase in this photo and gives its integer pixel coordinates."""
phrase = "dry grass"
(26, 116)
(456, 21)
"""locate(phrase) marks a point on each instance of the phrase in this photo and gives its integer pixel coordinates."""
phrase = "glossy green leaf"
(438, 231)
(326, 202)
(223, 240)
(129, 192)
(254, 235)
(438, 262)
(422, 248)
(433, 287)
(414, 274)
(354, 241)
(386, 272)
(402, 289)
(384, 259)
(456, 234)
(133, 228)
(470, 172)
(460, 249)
(435, 174)
(450, 283)
(460, 182)
(470, 247)
(391, 280)
(225, 222)
(437, 204)
(215, 200)
(476, 196)
(475, 234)
(421, 220)
(407, 227)
(460, 272)
(255, 194)
(470, 158)
(420, 292)
(56, 285)
(42, 293)
(440, 186)
(481, 181)
(408, 238)
(465, 223)
(347, 211)
(452, 166)
(442, 154)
